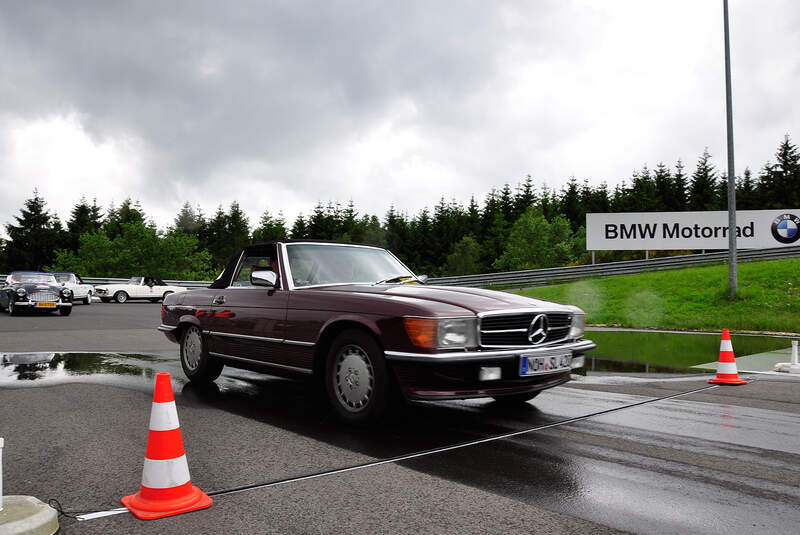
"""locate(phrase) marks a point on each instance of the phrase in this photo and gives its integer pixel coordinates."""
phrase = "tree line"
(525, 227)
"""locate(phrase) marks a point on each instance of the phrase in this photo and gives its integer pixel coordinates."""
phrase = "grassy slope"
(691, 298)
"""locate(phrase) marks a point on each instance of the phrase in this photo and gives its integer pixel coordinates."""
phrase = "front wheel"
(105, 299)
(65, 311)
(12, 309)
(197, 364)
(516, 399)
(356, 378)
(120, 297)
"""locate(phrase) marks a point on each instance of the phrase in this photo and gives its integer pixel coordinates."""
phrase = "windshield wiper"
(402, 279)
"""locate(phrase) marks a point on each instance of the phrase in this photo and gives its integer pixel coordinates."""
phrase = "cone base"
(148, 509)
(736, 381)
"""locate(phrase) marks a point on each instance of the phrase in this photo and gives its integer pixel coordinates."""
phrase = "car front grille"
(511, 330)
(43, 296)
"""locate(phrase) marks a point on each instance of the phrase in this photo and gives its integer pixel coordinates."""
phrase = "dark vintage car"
(32, 290)
(354, 317)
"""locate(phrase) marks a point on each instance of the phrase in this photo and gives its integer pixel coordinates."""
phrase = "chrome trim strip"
(167, 328)
(244, 336)
(575, 347)
(261, 338)
(512, 311)
(507, 331)
(299, 343)
(261, 362)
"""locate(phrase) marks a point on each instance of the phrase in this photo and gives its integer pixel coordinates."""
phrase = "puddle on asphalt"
(41, 369)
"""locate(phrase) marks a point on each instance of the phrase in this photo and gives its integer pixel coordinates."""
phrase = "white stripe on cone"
(726, 367)
(725, 345)
(165, 474)
(164, 417)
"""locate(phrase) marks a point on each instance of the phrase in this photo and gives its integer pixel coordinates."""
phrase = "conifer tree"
(702, 188)
(35, 238)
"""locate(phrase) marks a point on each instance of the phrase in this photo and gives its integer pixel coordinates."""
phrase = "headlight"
(21, 292)
(578, 325)
(445, 333)
(66, 292)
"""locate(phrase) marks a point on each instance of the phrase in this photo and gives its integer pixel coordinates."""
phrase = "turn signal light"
(421, 331)
(163, 313)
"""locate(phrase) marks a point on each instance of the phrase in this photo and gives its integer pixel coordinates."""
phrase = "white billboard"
(755, 229)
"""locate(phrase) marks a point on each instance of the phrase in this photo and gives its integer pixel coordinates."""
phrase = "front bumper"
(32, 304)
(457, 375)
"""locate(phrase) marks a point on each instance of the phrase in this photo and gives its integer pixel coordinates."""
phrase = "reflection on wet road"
(673, 466)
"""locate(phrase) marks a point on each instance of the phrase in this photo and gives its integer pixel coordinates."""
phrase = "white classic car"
(80, 290)
(150, 288)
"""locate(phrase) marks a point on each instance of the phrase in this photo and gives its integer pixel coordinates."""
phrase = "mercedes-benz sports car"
(151, 288)
(35, 291)
(359, 320)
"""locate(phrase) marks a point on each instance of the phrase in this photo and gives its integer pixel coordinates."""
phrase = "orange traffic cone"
(166, 486)
(726, 367)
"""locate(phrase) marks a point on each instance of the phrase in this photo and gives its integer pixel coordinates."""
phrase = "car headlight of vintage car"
(21, 292)
(66, 292)
(442, 333)
(578, 324)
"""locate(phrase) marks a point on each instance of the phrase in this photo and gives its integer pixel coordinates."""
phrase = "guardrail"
(541, 277)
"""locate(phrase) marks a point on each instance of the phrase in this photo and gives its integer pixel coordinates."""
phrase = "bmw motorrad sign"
(755, 229)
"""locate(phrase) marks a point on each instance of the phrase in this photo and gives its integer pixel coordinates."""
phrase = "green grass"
(690, 299)
(675, 350)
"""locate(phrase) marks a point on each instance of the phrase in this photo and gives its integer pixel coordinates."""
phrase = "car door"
(248, 321)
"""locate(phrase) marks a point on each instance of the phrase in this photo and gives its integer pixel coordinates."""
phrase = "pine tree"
(570, 204)
(746, 192)
(270, 228)
(83, 218)
(680, 188)
(34, 239)
(187, 220)
(662, 180)
(702, 189)
(299, 228)
(524, 197)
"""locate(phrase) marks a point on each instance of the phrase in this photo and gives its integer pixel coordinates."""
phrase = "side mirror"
(422, 278)
(264, 277)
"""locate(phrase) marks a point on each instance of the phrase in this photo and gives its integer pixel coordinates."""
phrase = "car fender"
(363, 321)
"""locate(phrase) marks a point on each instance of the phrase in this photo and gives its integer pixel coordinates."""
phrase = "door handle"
(219, 300)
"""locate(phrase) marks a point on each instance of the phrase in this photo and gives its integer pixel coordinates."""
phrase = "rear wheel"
(356, 378)
(197, 364)
(153, 300)
(163, 297)
(120, 297)
(88, 299)
(516, 399)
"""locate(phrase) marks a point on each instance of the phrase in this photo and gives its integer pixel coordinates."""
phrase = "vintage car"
(32, 290)
(359, 321)
(80, 290)
(151, 288)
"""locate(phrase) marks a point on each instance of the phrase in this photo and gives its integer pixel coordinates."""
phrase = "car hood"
(31, 287)
(475, 300)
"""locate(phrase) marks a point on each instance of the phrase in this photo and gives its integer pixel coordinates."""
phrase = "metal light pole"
(733, 282)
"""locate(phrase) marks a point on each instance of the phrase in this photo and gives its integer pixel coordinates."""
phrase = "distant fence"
(542, 277)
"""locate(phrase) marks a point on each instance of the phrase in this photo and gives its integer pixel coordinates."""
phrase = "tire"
(105, 299)
(165, 296)
(65, 311)
(12, 310)
(357, 381)
(516, 399)
(120, 297)
(88, 299)
(153, 300)
(197, 364)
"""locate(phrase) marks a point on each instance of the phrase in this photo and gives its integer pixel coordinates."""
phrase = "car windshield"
(314, 264)
(63, 277)
(45, 278)
(135, 281)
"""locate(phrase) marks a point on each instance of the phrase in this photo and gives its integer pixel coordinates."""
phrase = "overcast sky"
(280, 105)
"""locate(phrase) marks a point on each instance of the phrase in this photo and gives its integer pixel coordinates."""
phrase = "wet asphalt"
(717, 461)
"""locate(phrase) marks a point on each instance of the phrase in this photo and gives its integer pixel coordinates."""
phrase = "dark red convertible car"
(359, 320)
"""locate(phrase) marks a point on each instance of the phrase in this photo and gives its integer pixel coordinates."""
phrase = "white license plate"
(548, 364)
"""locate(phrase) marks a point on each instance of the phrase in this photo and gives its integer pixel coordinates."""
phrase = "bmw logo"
(786, 228)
